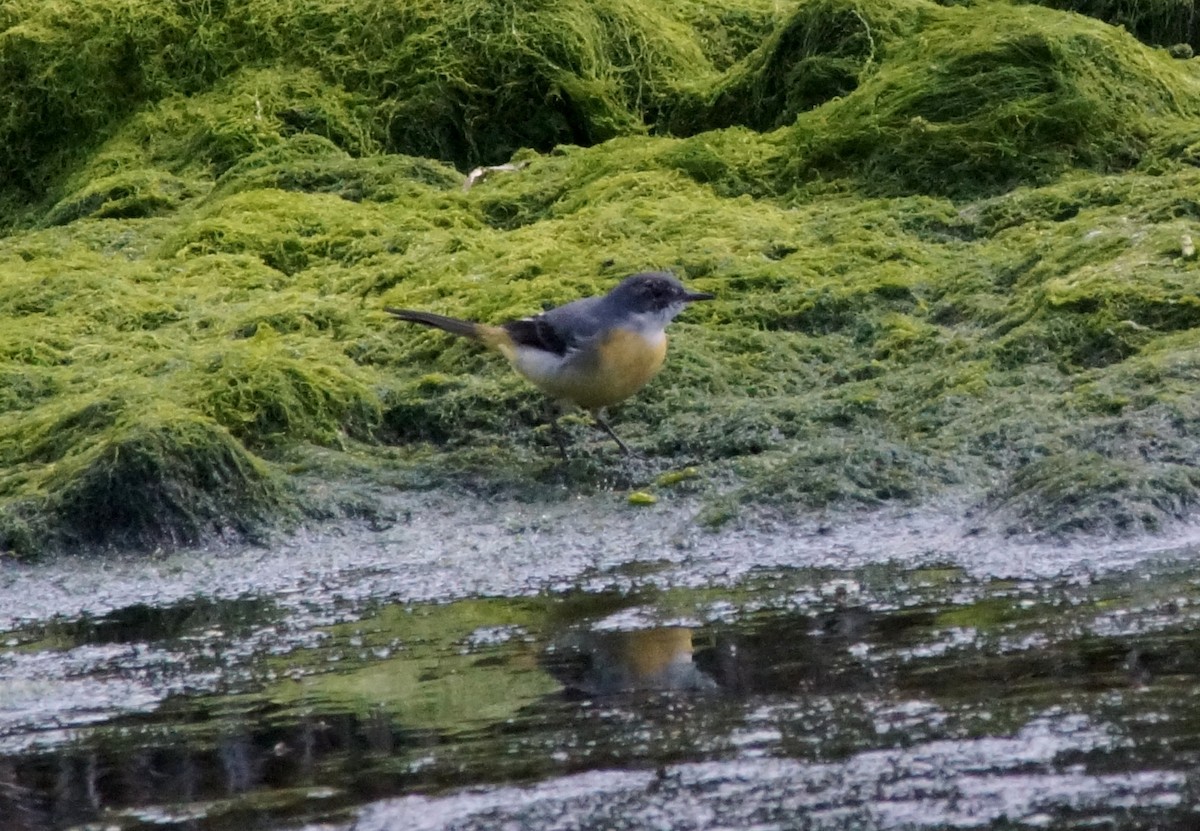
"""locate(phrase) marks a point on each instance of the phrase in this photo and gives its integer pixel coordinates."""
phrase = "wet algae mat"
(952, 247)
(879, 697)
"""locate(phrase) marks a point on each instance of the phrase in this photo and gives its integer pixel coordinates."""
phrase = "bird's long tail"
(453, 325)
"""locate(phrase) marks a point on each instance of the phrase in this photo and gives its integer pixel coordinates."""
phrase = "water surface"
(885, 695)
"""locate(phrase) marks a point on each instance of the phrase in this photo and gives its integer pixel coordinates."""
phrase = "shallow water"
(718, 689)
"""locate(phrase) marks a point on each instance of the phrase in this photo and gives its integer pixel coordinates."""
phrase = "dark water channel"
(881, 697)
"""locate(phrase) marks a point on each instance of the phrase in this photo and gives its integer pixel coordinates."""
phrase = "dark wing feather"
(562, 329)
(539, 333)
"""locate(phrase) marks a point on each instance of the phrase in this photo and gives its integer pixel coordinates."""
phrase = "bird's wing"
(559, 330)
(537, 333)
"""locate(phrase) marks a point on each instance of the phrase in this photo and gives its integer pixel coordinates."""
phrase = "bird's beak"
(693, 296)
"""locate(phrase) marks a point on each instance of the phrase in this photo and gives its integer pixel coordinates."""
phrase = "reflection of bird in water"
(641, 660)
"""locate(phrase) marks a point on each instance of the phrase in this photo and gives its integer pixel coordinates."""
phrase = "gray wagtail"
(592, 352)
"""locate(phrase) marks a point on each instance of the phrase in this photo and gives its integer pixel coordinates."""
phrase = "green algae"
(825, 50)
(127, 195)
(947, 244)
(467, 82)
(1009, 101)
(71, 70)
(115, 472)
(270, 389)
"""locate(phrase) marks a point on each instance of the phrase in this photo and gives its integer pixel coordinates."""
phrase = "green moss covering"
(127, 472)
(72, 68)
(953, 249)
(127, 195)
(824, 50)
(1011, 98)
(466, 82)
(270, 389)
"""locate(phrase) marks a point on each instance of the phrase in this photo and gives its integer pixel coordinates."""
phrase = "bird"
(591, 353)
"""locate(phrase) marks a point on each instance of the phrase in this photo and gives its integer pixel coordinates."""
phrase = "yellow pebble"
(674, 477)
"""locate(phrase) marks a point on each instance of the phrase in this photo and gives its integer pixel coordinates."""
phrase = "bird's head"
(655, 294)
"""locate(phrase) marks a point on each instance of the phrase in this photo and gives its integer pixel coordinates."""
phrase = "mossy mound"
(466, 83)
(271, 389)
(824, 50)
(176, 480)
(1009, 99)
(172, 151)
(129, 194)
(72, 69)
(106, 472)
(313, 164)
(141, 408)
(1128, 461)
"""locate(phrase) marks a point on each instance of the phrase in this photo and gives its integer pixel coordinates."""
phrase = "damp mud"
(482, 665)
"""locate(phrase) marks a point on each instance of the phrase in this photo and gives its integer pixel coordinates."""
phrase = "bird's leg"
(560, 437)
(604, 424)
